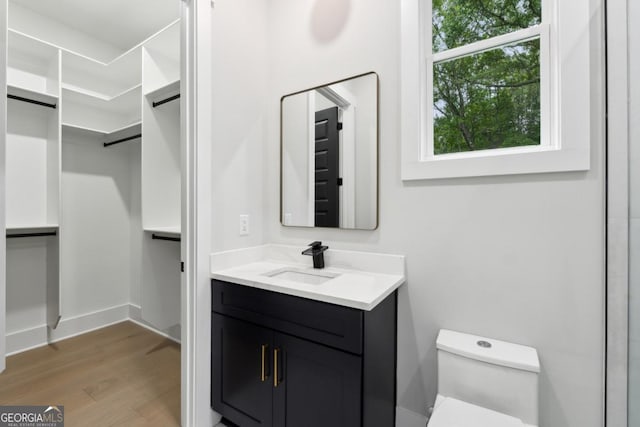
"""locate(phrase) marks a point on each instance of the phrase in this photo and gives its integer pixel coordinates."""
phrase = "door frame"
(4, 24)
(347, 105)
(196, 133)
(617, 216)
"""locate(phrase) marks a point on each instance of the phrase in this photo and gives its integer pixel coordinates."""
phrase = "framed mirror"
(329, 155)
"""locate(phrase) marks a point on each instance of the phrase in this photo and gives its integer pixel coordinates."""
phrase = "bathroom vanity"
(289, 353)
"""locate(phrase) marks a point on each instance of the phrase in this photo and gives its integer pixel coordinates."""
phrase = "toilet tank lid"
(489, 350)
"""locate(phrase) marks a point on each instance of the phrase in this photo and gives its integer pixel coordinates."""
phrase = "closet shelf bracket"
(31, 101)
(169, 239)
(129, 138)
(164, 101)
(16, 236)
(57, 322)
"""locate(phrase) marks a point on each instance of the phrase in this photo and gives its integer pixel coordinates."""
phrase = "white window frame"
(565, 96)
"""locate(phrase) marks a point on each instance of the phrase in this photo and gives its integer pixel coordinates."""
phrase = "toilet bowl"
(450, 412)
(484, 382)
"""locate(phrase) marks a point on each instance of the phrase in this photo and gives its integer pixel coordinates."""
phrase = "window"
(486, 85)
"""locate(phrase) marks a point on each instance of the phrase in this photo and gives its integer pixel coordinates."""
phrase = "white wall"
(239, 124)
(238, 97)
(27, 170)
(515, 258)
(26, 283)
(96, 230)
(107, 259)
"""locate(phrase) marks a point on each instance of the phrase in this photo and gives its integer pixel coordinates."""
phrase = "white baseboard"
(135, 315)
(27, 339)
(20, 341)
(82, 324)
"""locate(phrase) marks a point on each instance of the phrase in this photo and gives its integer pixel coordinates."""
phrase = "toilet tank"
(493, 374)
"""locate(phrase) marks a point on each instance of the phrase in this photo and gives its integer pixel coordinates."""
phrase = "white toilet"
(484, 382)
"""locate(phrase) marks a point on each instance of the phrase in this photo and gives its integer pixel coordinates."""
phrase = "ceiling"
(121, 23)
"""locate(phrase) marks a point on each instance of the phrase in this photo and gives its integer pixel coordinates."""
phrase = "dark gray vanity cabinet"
(279, 360)
(239, 345)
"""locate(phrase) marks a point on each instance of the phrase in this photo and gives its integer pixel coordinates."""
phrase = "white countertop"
(353, 287)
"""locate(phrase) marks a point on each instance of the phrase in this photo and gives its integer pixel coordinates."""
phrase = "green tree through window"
(489, 99)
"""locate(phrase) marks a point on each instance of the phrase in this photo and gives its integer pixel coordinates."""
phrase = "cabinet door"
(318, 386)
(241, 371)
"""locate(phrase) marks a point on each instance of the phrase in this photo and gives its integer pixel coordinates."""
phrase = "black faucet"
(317, 252)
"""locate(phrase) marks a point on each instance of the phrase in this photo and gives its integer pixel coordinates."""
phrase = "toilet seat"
(456, 413)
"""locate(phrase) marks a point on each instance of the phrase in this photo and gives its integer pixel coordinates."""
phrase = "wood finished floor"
(123, 375)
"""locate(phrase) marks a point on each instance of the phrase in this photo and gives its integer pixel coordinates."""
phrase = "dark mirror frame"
(377, 142)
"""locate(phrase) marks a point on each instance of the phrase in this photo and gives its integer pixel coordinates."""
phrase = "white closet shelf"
(130, 128)
(126, 101)
(101, 80)
(97, 95)
(170, 89)
(173, 231)
(32, 94)
(85, 111)
(14, 229)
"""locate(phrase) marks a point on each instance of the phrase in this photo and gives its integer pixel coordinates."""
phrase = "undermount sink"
(309, 277)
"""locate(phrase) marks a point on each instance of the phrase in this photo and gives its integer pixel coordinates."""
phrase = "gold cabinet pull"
(263, 374)
(275, 366)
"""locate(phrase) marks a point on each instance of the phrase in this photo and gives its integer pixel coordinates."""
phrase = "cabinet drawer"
(329, 324)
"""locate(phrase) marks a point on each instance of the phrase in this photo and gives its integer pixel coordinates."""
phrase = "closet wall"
(104, 203)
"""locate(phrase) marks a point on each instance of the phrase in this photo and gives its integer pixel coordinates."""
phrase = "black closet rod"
(164, 101)
(170, 239)
(16, 236)
(31, 101)
(129, 138)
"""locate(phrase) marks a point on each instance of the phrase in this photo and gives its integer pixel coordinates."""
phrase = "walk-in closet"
(93, 168)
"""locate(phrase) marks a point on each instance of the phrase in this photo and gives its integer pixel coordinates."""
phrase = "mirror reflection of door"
(329, 157)
(327, 168)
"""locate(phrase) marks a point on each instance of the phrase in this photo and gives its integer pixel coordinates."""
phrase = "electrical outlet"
(244, 225)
